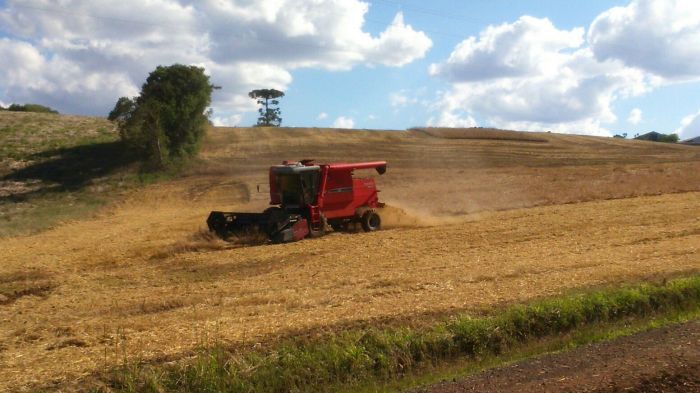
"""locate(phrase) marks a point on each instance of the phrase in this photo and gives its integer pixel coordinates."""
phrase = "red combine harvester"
(306, 198)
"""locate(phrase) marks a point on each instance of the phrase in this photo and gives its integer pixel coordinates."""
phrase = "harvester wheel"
(371, 221)
(321, 231)
(339, 226)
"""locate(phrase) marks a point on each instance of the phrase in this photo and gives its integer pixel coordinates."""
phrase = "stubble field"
(476, 220)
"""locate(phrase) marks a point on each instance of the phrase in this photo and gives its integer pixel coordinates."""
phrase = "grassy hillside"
(24, 135)
(56, 167)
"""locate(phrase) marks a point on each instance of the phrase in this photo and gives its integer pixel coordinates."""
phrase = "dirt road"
(661, 360)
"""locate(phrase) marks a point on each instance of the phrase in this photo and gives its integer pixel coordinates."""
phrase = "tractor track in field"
(660, 360)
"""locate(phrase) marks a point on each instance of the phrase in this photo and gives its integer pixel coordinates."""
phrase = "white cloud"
(525, 47)
(635, 116)
(690, 126)
(322, 116)
(530, 75)
(238, 79)
(80, 55)
(580, 127)
(659, 36)
(55, 81)
(399, 44)
(400, 99)
(452, 119)
(343, 122)
(229, 121)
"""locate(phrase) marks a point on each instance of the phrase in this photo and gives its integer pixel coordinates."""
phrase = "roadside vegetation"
(371, 355)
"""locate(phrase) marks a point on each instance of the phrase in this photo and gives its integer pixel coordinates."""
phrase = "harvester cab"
(305, 199)
(294, 185)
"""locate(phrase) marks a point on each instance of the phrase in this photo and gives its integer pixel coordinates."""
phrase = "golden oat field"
(476, 219)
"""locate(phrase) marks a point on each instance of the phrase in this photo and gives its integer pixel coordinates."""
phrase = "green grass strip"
(358, 356)
(457, 369)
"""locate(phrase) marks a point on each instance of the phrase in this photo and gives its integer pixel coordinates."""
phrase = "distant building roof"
(692, 141)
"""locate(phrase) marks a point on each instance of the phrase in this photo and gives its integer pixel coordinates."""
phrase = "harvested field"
(142, 280)
(443, 176)
(481, 133)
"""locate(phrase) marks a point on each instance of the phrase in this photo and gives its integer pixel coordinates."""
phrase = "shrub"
(31, 108)
(672, 138)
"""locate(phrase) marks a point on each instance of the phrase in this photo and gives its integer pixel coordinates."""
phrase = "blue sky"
(589, 67)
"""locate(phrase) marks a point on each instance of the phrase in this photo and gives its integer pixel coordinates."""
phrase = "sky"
(586, 67)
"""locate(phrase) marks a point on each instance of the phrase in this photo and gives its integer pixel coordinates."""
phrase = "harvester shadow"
(69, 169)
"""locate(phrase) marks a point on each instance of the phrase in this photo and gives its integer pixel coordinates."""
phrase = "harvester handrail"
(379, 165)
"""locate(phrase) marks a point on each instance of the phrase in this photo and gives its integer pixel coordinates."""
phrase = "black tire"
(339, 226)
(371, 221)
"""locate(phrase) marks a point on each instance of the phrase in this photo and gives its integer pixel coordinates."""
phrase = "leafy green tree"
(123, 109)
(270, 114)
(165, 124)
(671, 138)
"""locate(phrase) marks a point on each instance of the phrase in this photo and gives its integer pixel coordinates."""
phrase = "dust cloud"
(396, 216)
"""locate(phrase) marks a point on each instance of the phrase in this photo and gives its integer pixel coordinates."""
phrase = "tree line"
(29, 108)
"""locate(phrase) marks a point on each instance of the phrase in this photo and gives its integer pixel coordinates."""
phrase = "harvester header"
(306, 198)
